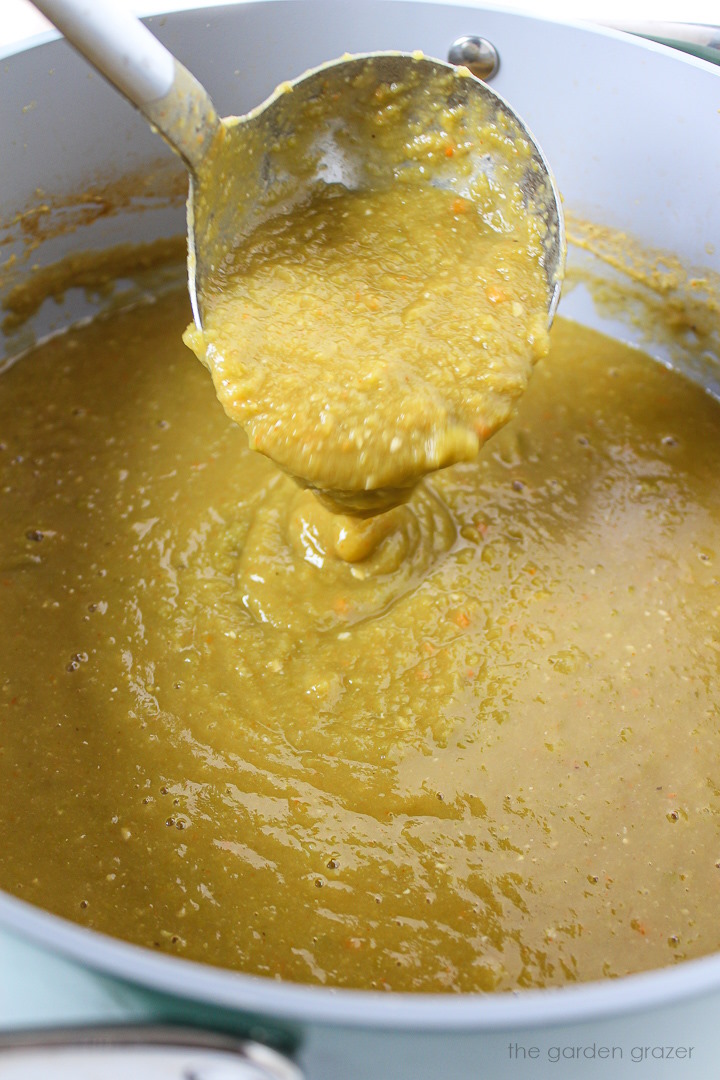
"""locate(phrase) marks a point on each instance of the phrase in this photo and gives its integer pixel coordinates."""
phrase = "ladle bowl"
(244, 169)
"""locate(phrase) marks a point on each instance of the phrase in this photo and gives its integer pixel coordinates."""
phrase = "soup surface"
(468, 745)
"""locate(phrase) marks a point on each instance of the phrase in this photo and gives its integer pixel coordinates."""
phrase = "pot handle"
(697, 39)
(122, 49)
(138, 1052)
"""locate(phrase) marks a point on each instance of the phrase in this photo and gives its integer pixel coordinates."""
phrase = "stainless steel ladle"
(320, 107)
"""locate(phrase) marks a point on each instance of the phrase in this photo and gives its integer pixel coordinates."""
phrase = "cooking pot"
(632, 129)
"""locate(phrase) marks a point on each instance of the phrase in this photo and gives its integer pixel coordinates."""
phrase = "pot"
(632, 129)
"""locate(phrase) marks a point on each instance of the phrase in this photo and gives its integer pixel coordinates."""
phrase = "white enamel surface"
(21, 18)
(117, 43)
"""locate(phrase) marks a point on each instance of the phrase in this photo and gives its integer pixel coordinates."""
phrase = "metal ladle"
(320, 108)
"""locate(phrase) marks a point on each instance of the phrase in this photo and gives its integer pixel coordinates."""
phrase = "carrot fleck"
(495, 294)
(460, 206)
(462, 619)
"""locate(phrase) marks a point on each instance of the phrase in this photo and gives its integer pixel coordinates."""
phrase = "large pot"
(632, 130)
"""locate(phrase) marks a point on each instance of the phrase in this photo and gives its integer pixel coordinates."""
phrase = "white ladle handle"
(134, 61)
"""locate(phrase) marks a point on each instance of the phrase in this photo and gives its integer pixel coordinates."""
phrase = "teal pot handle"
(697, 39)
(144, 1051)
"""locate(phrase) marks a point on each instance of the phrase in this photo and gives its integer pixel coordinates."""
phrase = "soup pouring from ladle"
(369, 126)
(321, 107)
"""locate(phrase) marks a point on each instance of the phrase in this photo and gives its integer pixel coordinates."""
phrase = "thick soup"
(372, 306)
(468, 745)
(369, 338)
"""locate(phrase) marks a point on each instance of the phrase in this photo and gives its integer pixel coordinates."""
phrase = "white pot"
(632, 130)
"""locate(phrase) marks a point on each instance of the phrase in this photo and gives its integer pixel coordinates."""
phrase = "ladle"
(319, 109)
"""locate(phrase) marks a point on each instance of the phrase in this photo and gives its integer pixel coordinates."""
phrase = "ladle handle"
(134, 61)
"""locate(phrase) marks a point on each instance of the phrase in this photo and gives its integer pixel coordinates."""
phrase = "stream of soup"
(470, 745)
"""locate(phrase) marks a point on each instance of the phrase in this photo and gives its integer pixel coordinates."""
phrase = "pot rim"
(151, 9)
(192, 981)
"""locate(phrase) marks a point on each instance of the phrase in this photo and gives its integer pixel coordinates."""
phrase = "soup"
(371, 337)
(469, 748)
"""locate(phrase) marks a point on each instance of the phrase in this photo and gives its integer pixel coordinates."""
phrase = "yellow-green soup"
(371, 337)
(476, 749)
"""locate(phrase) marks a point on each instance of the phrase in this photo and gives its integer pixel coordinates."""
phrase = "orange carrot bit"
(462, 619)
(495, 294)
(423, 674)
(429, 648)
(341, 605)
(460, 205)
(449, 151)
